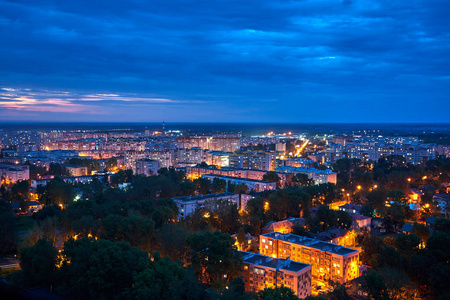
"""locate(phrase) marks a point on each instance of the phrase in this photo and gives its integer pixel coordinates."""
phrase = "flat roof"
(202, 197)
(309, 242)
(237, 178)
(273, 263)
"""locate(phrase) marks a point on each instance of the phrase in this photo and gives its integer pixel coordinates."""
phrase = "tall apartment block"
(329, 261)
(260, 272)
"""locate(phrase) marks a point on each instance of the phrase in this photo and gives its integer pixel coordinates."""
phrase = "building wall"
(325, 265)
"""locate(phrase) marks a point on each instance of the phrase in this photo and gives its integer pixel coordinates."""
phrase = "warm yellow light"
(424, 177)
(409, 179)
(427, 205)
(375, 186)
(266, 206)
(206, 215)
(358, 187)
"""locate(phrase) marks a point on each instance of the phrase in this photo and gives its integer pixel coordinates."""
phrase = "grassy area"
(24, 223)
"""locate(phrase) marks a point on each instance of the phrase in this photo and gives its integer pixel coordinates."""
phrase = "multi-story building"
(11, 173)
(252, 184)
(217, 158)
(370, 150)
(329, 261)
(319, 176)
(197, 171)
(260, 272)
(188, 205)
(146, 167)
(76, 170)
(253, 160)
(299, 163)
(226, 144)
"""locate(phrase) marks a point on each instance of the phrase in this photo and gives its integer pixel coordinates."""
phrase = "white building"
(146, 167)
(252, 184)
(188, 205)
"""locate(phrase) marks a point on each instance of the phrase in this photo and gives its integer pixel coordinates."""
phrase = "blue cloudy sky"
(225, 60)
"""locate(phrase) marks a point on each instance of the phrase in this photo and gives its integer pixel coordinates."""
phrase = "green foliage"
(99, 269)
(38, 263)
(272, 177)
(164, 279)
(407, 244)
(57, 192)
(212, 256)
(301, 179)
(279, 293)
(376, 286)
(377, 198)
(367, 210)
(7, 229)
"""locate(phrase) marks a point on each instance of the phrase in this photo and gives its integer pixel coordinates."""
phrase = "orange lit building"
(260, 272)
(329, 261)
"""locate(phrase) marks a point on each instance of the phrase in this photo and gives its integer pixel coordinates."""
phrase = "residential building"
(252, 184)
(188, 205)
(328, 261)
(319, 176)
(351, 208)
(76, 170)
(260, 272)
(146, 167)
(11, 173)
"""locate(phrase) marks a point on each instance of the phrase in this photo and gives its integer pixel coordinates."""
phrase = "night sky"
(225, 61)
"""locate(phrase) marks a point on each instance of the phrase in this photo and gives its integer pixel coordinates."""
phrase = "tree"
(367, 210)
(272, 177)
(301, 179)
(377, 198)
(7, 229)
(219, 185)
(241, 238)
(38, 263)
(99, 269)
(278, 293)
(376, 286)
(57, 192)
(162, 279)
(212, 256)
(203, 185)
(422, 232)
(407, 244)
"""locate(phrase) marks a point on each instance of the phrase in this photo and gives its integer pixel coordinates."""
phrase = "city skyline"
(263, 62)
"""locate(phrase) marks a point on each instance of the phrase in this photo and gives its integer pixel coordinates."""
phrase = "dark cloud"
(226, 60)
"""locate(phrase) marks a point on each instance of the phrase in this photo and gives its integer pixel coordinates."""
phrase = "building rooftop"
(273, 263)
(309, 242)
(202, 197)
(237, 178)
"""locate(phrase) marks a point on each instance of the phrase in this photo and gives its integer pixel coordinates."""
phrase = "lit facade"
(260, 272)
(329, 261)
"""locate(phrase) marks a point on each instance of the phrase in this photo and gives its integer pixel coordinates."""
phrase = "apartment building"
(195, 172)
(146, 167)
(329, 261)
(319, 176)
(252, 184)
(12, 173)
(253, 160)
(76, 170)
(260, 272)
(188, 205)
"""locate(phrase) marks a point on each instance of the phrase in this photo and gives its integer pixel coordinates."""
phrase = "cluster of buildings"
(297, 262)
(370, 149)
